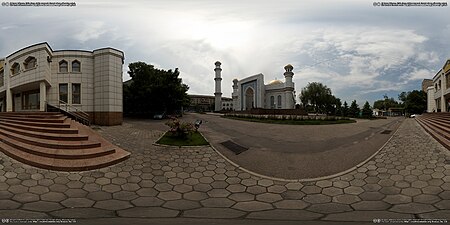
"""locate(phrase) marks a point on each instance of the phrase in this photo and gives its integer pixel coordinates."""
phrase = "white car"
(413, 116)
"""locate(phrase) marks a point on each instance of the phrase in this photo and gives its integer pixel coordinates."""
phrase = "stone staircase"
(53, 141)
(437, 125)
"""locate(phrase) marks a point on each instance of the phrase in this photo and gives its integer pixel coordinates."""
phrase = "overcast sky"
(360, 51)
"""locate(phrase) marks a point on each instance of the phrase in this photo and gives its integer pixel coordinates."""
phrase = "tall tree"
(415, 102)
(366, 111)
(345, 109)
(319, 96)
(354, 109)
(153, 90)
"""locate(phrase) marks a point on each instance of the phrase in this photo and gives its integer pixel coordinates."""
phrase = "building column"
(9, 101)
(42, 96)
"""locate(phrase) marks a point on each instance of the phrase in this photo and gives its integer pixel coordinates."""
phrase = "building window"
(15, 69)
(76, 93)
(63, 66)
(440, 84)
(279, 101)
(2, 78)
(30, 63)
(63, 92)
(272, 102)
(76, 66)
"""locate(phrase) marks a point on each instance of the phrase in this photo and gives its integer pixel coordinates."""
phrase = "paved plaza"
(408, 178)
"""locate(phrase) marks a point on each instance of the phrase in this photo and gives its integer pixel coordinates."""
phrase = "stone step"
(436, 135)
(445, 125)
(50, 143)
(56, 153)
(37, 124)
(33, 115)
(64, 164)
(47, 136)
(41, 129)
(38, 120)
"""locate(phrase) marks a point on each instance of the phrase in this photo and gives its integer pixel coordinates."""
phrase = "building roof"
(275, 82)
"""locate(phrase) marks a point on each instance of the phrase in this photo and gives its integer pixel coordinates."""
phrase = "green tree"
(386, 103)
(345, 109)
(353, 111)
(415, 102)
(319, 96)
(153, 90)
(366, 111)
(339, 111)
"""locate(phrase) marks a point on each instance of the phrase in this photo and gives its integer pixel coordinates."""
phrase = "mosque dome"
(275, 82)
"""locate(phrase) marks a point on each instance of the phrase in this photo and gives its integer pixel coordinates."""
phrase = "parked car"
(413, 116)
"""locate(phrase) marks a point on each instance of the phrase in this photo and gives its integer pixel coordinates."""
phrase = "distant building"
(206, 103)
(438, 94)
(251, 92)
(90, 81)
(426, 83)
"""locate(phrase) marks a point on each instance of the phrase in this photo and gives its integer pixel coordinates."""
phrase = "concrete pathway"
(408, 179)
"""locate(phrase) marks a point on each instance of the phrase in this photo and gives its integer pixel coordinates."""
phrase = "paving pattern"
(409, 178)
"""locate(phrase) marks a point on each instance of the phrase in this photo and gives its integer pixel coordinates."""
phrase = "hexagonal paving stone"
(39, 190)
(214, 213)
(8, 204)
(53, 197)
(252, 206)
(291, 204)
(17, 189)
(169, 195)
(111, 188)
(265, 182)
(371, 205)
(312, 189)
(256, 190)
(99, 195)
(77, 202)
(112, 204)
(147, 201)
(413, 208)
(195, 195)
(426, 199)
(26, 197)
(324, 183)
(42, 206)
(294, 186)
(242, 197)
(249, 182)
(353, 190)
(182, 204)
(125, 195)
(397, 199)
(328, 208)
(217, 202)
(317, 198)
(292, 195)
(236, 188)
(218, 193)
(444, 204)
(346, 199)
(148, 212)
(269, 197)
(332, 191)
(371, 196)
(410, 191)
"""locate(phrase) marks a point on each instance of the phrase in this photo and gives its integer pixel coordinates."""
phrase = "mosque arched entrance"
(249, 99)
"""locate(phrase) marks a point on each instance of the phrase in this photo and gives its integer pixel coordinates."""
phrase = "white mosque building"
(251, 92)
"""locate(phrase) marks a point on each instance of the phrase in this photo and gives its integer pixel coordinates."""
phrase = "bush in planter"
(180, 129)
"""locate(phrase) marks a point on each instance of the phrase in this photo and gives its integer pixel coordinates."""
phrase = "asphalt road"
(297, 151)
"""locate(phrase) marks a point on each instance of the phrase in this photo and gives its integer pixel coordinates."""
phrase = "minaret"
(289, 86)
(218, 93)
(235, 94)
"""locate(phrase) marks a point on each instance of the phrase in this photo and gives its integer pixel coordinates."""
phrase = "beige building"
(438, 94)
(36, 77)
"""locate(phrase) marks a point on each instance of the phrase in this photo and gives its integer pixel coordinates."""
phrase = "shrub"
(180, 129)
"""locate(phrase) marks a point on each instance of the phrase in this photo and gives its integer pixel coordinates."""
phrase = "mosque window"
(76, 66)
(272, 102)
(63, 90)
(63, 66)
(279, 101)
(76, 93)
(15, 68)
(30, 63)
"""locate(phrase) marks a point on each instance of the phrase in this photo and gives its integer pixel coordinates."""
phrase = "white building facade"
(438, 95)
(90, 81)
(251, 92)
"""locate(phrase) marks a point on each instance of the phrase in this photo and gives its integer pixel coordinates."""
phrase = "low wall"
(288, 117)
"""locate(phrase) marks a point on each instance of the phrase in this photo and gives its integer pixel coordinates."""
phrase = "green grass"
(195, 139)
(293, 122)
